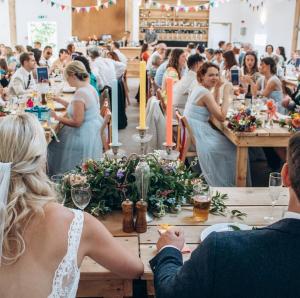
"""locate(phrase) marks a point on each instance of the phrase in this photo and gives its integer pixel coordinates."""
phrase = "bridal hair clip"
(5, 170)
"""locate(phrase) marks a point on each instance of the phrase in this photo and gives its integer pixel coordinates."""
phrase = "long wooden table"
(97, 281)
(261, 137)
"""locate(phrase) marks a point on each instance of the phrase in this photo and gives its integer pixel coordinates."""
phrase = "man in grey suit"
(256, 263)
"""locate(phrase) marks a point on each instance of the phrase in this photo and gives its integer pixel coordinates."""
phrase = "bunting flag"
(180, 8)
(78, 9)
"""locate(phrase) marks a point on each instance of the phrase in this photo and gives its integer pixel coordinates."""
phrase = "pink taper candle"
(169, 132)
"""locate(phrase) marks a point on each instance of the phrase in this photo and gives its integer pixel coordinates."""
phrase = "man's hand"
(173, 236)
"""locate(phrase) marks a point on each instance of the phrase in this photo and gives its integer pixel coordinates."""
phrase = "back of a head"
(116, 44)
(85, 62)
(191, 45)
(271, 62)
(77, 69)
(293, 160)
(23, 144)
(93, 52)
(193, 60)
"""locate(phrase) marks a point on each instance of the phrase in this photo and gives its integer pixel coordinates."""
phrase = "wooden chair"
(160, 97)
(185, 138)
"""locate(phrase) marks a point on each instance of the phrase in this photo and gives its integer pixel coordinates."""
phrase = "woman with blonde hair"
(42, 243)
(80, 138)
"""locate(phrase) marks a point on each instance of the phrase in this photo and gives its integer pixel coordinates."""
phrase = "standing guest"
(115, 47)
(162, 69)
(93, 79)
(257, 263)
(145, 54)
(80, 137)
(190, 49)
(209, 54)
(280, 52)
(269, 51)
(35, 222)
(4, 73)
(217, 155)
(269, 85)
(222, 45)
(160, 51)
(46, 57)
(185, 85)
(175, 67)
(218, 59)
(247, 47)
(126, 38)
(60, 63)
(22, 81)
(37, 45)
(201, 50)
(72, 51)
(151, 37)
(119, 67)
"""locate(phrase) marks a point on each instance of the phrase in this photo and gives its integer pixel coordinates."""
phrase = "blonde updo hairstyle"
(77, 69)
(23, 144)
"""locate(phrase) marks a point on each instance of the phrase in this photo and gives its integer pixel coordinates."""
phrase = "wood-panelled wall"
(110, 20)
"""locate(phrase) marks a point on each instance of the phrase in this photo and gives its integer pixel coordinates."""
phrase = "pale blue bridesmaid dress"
(216, 154)
(78, 143)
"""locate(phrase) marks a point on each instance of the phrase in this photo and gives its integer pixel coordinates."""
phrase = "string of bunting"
(181, 8)
(255, 4)
(79, 9)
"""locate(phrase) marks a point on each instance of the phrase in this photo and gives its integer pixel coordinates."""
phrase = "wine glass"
(275, 188)
(59, 186)
(81, 195)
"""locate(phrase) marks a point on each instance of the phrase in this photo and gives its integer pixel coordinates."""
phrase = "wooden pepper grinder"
(127, 209)
(141, 221)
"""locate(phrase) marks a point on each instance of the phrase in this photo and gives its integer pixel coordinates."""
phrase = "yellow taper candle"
(142, 95)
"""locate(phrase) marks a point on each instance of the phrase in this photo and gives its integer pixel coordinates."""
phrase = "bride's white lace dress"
(67, 275)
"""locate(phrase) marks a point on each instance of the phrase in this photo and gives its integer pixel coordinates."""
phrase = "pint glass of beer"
(201, 200)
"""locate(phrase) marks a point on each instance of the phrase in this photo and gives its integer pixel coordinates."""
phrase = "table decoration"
(3, 111)
(42, 112)
(293, 121)
(243, 121)
(113, 180)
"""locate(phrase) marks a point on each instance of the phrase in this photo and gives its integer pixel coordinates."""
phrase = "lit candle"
(115, 112)
(142, 95)
(169, 131)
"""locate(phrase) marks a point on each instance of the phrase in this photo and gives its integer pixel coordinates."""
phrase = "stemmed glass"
(275, 188)
(81, 195)
(58, 182)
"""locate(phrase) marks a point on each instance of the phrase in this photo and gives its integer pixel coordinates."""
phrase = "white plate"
(223, 227)
(69, 90)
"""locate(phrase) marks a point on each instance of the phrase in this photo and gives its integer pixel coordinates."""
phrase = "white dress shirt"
(289, 214)
(121, 56)
(44, 62)
(182, 89)
(20, 82)
(150, 60)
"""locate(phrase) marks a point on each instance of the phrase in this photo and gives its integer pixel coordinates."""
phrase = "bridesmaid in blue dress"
(216, 154)
(80, 137)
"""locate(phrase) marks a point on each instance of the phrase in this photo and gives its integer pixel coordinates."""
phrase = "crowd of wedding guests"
(204, 88)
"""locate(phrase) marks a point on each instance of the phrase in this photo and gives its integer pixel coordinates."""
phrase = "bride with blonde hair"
(41, 242)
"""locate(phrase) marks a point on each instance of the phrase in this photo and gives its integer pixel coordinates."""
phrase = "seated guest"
(161, 49)
(209, 54)
(156, 62)
(216, 154)
(190, 49)
(104, 68)
(280, 52)
(228, 47)
(145, 54)
(60, 63)
(71, 50)
(218, 58)
(269, 52)
(3, 96)
(119, 67)
(162, 69)
(184, 86)
(269, 85)
(44, 242)
(22, 81)
(293, 59)
(257, 263)
(222, 45)
(37, 56)
(80, 136)
(175, 67)
(229, 63)
(11, 59)
(46, 57)
(115, 47)
(37, 45)
(4, 73)
(246, 47)
(93, 79)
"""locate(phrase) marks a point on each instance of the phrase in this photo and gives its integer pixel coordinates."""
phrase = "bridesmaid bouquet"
(243, 121)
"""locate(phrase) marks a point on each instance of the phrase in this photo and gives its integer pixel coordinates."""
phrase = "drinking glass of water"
(81, 195)
(275, 188)
(59, 186)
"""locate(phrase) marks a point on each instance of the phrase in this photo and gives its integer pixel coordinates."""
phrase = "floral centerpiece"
(243, 121)
(113, 180)
(3, 111)
(293, 122)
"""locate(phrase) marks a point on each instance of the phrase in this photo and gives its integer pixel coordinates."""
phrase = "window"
(44, 32)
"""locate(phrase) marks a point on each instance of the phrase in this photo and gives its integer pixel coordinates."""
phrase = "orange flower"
(270, 104)
(296, 122)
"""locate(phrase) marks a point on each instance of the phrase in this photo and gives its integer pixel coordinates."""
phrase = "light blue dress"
(78, 143)
(216, 154)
